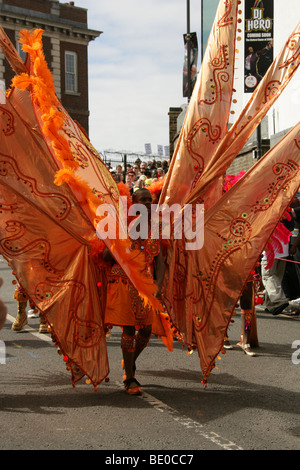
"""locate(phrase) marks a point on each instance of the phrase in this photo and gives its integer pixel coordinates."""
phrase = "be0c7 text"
(170, 459)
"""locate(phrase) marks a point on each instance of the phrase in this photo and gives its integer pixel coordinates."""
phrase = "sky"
(135, 69)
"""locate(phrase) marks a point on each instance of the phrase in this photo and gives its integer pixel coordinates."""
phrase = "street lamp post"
(188, 44)
(125, 166)
(201, 48)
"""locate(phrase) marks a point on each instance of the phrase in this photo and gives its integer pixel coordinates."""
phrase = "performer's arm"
(294, 246)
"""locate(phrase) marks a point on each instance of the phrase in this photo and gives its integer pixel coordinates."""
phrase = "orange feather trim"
(78, 184)
(156, 187)
(124, 191)
(97, 249)
(22, 81)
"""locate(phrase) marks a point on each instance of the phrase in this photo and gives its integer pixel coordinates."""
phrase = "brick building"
(65, 43)
(173, 128)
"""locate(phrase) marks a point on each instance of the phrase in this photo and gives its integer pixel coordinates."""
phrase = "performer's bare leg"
(142, 339)
(128, 350)
(132, 346)
(246, 319)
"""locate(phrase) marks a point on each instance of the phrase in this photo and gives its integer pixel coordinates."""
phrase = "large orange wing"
(80, 166)
(202, 286)
(52, 182)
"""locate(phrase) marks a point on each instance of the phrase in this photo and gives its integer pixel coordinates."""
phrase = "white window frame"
(73, 73)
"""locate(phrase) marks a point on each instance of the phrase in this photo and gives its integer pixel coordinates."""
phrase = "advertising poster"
(259, 34)
(193, 63)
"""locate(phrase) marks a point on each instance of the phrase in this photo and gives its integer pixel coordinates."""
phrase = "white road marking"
(42, 336)
(160, 406)
(187, 422)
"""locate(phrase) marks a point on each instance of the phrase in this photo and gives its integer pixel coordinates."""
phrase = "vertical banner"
(148, 149)
(259, 35)
(193, 63)
(160, 150)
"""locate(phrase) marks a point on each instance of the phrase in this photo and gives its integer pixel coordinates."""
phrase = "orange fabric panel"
(201, 287)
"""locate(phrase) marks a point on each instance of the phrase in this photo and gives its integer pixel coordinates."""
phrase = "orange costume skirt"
(124, 305)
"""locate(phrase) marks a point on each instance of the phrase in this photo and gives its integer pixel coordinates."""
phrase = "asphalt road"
(250, 403)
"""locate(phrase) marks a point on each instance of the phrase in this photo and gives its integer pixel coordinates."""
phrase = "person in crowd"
(119, 178)
(119, 170)
(21, 319)
(291, 281)
(113, 173)
(247, 320)
(140, 183)
(165, 166)
(152, 165)
(160, 171)
(3, 309)
(136, 170)
(129, 180)
(275, 299)
(295, 253)
(248, 337)
(143, 168)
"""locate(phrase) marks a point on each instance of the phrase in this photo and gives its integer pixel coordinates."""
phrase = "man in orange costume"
(124, 307)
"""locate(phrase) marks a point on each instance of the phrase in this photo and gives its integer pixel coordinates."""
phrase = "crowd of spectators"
(140, 174)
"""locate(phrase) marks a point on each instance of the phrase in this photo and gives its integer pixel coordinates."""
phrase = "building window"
(20, 51)
(71, 82)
